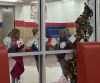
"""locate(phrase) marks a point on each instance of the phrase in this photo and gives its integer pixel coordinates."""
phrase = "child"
(34, 47)
(63, 38)
(18, 68)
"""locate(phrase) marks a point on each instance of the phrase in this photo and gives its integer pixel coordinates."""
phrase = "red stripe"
(25, 24)
(19, 23)
(54, 24)
(34, 25)
(31, 25)
(69, 25)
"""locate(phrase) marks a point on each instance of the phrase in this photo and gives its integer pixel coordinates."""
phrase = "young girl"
(18, 68)
(35, 47)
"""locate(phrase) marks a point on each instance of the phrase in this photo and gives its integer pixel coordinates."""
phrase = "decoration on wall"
(34, 11)
(45, 12)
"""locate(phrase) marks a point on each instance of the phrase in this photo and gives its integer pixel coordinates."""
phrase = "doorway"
(8, 16)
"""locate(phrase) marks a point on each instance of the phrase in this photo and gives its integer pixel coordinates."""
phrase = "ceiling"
(22, 2)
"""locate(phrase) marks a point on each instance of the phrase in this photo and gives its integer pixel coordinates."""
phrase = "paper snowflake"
(29, 60)
(62, 44)
(62, 80)
(46, 39)
(68, 56)
(29, 43)
(20, 42)
(53, 41)
(7, 41)
(91, 38)
(11, 64)
(72, 38)
(51, 61)
(82, 40)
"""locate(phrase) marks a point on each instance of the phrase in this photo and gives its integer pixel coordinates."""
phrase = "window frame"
(43, 52)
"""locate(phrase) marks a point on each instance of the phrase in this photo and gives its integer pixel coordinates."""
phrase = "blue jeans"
(13, 79)
(63, 65)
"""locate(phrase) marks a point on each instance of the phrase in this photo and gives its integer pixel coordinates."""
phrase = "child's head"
(9, 35)
(15, 34)
(63, 32)
(35, 31)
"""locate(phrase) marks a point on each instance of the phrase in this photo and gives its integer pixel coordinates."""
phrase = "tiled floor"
(31, 75)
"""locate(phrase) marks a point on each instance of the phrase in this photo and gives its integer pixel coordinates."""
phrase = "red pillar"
(4, 65)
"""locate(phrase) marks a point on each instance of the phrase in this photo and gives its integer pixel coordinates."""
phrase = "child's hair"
(13, 34)
(9, 34)
(35, 30)
(63, 31)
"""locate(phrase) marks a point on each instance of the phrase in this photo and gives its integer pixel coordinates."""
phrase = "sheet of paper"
(72, 38)
(11, 63)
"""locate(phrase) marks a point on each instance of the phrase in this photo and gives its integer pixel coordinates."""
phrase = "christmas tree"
(84, 30)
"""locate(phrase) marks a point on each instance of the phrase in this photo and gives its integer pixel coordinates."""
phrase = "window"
(49, 18)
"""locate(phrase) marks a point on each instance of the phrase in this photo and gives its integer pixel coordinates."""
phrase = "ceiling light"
(9, 0)
(64, 0)
(34, 2)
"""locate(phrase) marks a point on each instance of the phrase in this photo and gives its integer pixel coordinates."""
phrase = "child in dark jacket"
(35, 48)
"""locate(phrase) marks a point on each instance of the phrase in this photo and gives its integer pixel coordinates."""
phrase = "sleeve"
(12, 50)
